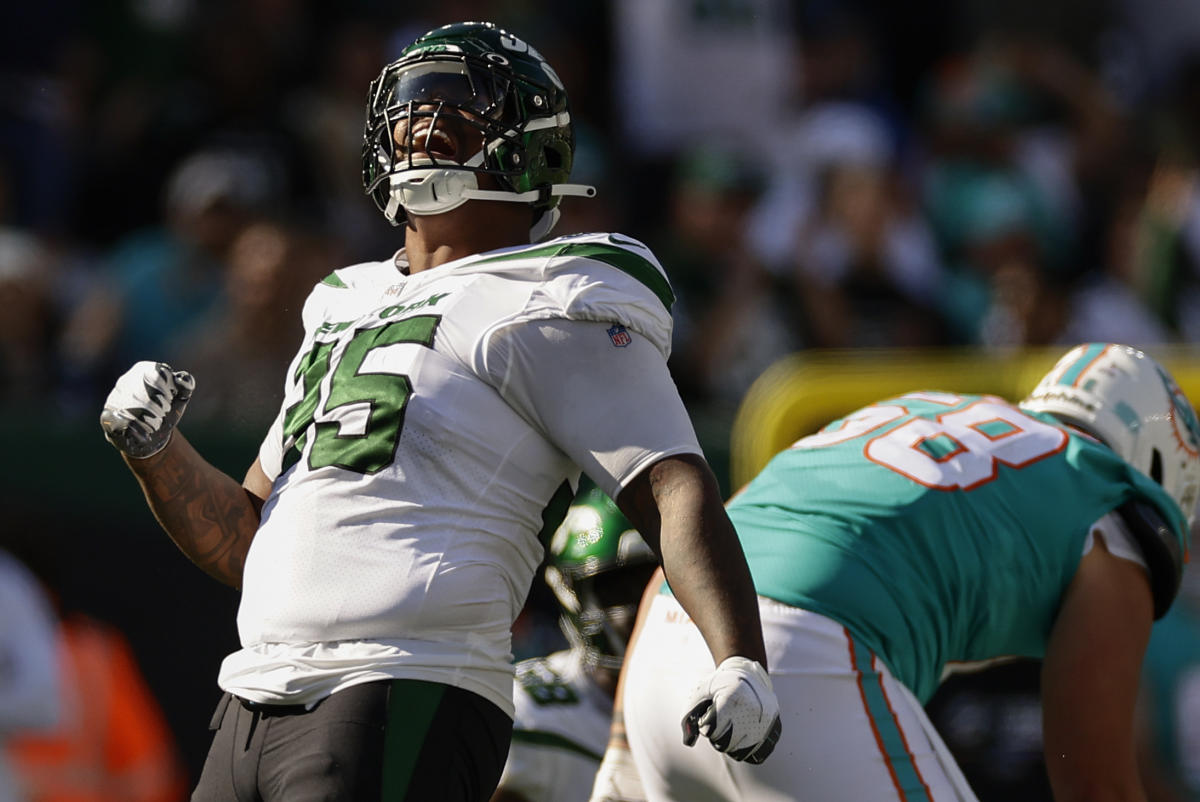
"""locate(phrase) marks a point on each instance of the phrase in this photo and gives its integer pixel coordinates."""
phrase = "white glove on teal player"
(735, 708)
(144, 406)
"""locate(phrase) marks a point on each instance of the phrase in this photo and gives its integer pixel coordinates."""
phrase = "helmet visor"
(453, 83)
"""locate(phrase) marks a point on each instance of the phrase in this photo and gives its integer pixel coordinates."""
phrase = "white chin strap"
(433, 190)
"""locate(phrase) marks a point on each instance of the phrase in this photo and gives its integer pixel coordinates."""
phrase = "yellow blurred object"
(802, 392)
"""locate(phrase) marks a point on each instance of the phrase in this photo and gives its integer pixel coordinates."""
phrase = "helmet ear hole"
(1156, 466)
(553, 158)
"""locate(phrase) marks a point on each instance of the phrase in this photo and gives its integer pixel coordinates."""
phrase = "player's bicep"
(608, 402)
(1090, 679)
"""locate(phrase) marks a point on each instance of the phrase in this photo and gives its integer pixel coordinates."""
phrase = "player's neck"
(474, 227)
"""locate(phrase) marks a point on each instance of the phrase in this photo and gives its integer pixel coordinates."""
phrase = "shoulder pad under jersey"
(340, 288)
(602, 277)
(1160, 547)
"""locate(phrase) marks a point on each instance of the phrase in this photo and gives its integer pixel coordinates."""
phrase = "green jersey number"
(545, 685)
(386, 394)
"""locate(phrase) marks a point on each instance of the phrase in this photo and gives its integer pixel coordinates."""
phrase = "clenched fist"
(144, 406)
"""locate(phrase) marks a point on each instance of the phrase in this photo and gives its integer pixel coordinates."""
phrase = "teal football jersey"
(935, 527)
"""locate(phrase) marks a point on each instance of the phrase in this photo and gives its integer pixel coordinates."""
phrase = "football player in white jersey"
(436, 420)
(598, 567)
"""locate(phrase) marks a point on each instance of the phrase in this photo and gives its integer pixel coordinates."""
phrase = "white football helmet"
(1130, 402)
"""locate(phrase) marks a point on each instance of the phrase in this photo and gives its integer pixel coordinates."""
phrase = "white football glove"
(145, 404)
(735, 708)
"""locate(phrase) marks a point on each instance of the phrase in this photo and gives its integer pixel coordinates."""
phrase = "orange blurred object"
(113, 744)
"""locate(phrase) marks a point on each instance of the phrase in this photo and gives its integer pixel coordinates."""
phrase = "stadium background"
(881, 195)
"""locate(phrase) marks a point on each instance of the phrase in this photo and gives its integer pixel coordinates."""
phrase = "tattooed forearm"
(209, 516)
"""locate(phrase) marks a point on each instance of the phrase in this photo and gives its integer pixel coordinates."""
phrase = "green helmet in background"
(598, 567)
(514, 103)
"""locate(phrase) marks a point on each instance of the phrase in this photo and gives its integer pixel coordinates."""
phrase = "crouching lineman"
(599, 565)
(933, 528)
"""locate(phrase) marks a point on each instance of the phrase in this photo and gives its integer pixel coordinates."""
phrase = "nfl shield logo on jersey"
(619, 336)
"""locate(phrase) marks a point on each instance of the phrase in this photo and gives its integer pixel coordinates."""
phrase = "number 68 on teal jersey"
(936, 527)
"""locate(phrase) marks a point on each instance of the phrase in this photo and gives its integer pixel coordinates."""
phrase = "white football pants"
(851, 732)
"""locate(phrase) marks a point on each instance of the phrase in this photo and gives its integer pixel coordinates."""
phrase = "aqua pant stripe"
(893, 746)
(412, 704)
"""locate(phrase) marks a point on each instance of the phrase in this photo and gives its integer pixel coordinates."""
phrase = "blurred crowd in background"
(175, 175)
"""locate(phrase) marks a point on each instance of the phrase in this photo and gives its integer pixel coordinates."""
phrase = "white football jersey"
(560, 730)
(432, 426)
